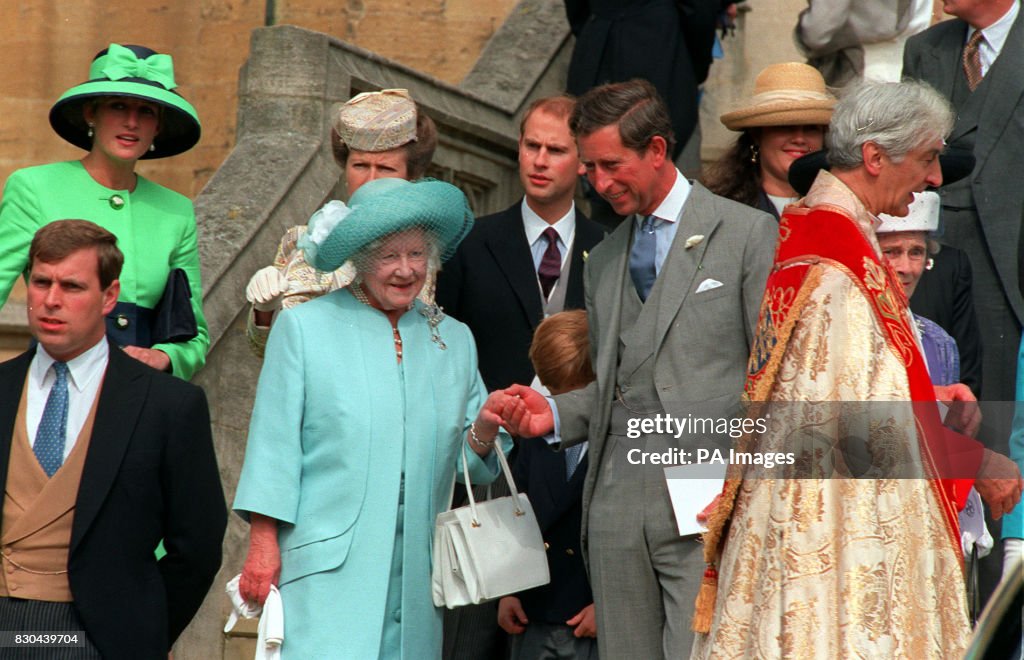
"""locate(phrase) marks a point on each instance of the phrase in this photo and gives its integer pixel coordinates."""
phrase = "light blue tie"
(641, 258)
(572, 459)
(49, 445)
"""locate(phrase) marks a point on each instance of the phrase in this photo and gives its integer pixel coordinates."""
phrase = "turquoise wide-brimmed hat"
(383, 207)
(137, 72)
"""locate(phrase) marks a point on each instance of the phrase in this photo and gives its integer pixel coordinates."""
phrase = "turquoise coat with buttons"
(337, 429)
(155, 229)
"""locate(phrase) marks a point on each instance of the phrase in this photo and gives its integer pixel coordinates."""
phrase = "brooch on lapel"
(586, 255)
(434, 315)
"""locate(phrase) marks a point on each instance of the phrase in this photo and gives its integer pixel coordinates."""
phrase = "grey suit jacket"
(703, 339)
(934, 56)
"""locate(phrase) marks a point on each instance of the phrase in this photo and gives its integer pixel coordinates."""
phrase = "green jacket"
(155, 228)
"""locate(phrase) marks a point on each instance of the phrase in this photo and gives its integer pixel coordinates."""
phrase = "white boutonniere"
(694, 240)
(586, 255)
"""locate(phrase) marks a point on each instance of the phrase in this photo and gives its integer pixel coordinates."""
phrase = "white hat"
(923, 215)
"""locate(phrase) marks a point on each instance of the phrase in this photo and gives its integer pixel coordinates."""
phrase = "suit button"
(569, 551)
(397, 616)
(12, 587)
(547, 546)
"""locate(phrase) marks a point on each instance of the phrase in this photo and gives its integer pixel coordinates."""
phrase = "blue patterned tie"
(572, 459)
(641, 258)
(49, 445)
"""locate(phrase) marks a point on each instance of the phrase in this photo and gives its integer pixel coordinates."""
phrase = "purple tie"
(550, 263)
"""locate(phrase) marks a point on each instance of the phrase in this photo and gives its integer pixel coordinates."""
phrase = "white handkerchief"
(708, 284)
(270, 631)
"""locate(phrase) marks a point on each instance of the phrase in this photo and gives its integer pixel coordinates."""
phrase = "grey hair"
(364, 256)
(898, 117)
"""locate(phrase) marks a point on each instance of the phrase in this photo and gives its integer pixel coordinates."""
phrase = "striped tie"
(972, 59)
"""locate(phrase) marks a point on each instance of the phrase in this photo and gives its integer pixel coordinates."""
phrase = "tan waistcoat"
(35, 535)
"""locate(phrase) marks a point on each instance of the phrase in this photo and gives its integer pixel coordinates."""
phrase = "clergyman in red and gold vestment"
(866, 564)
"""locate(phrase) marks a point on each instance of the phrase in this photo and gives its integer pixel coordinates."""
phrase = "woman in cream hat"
(374, 135)
(128, 110)
(784, 119)
(367, 399)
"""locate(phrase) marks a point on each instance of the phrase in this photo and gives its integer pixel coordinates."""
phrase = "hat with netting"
(383, 207)
(135, 72)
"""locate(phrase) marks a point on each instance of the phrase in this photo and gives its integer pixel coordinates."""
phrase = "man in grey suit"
(981, 214)
(672, 297)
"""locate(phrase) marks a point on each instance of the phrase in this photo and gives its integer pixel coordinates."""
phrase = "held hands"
(150, 356)
(526, 412)
(266, 289)
(964, 414)
(999, 483)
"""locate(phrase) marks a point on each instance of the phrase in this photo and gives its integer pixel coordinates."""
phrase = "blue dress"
(354, 455)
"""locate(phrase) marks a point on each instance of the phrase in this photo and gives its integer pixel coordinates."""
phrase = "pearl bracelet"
(476, 440)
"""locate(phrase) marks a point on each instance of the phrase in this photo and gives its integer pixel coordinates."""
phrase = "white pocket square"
(708, 285)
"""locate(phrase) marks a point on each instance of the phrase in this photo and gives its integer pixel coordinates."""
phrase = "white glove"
(266, 289)
(1013, 554)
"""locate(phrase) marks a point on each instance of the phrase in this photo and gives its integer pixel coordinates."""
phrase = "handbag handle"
(503, 462)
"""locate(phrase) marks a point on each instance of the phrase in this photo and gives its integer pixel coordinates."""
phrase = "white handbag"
(487, 550)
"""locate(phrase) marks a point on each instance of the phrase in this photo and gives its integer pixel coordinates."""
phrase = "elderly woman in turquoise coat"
(368, 401)
(127, 111)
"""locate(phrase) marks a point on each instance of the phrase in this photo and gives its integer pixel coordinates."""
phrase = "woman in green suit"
(126, 111)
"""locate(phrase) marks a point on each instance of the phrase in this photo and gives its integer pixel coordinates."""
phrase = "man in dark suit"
(101, 457)
(507, 275)
(499, 282)
(977, 62)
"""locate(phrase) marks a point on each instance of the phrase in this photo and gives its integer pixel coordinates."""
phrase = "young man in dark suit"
(507, 275)
(101, 457)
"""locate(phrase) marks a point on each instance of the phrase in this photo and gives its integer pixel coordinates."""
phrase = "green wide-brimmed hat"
(383, 207)
(137, 72)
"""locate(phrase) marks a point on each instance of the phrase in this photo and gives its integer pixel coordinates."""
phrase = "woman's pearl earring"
(90, 131)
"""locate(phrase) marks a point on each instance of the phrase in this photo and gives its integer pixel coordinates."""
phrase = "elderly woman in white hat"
(906, 244)
(366, 400)
(374, 135)
(128, 110)
(785, 119)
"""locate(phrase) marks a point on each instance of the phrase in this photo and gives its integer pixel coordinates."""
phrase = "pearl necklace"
(360, 295)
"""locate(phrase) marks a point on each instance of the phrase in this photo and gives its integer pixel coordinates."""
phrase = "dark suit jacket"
(993, 238)
(150, 474)
(491, 286)
(944, 295)
(558, 504)
(610, 38)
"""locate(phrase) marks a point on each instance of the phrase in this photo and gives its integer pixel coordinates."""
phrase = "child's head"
(560, 352)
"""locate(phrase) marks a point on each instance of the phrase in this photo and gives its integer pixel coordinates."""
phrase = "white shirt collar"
(82, 369)
(535, 225)
(996, 34)
(672, 206)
